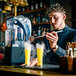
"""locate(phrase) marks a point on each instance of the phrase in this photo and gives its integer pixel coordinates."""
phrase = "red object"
(0, 56)
(3, 27)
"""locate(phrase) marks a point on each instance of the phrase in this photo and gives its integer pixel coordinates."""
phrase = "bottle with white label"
(75, 49)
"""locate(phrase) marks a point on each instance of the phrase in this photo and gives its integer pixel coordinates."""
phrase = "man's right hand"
(33, 62)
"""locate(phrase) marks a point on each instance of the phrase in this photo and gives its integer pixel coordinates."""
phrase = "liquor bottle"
(75, 49)
(67, 48)
(41, 4)
(70, 52)
(39, 18)
(44, 31)
(70, 59)
(33, 33)
(31, 18)
(47, 30)
(23, 9)
(32, 5)
(44, 5)
(43, 18)
(36, 5)
(39, 31)
(34, 20)
(19, 9)
(27, 8)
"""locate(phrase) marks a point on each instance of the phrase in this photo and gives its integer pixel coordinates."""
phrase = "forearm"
(61, 52)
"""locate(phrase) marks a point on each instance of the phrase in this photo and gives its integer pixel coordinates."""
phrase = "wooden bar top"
(12, 71)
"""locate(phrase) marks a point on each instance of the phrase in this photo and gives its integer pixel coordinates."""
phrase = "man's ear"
(64, 16)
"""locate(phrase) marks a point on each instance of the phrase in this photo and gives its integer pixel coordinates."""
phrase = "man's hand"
(32, 63)
(53, 39)
(32, 38)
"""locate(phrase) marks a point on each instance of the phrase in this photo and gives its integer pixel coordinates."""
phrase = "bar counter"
(12, 71)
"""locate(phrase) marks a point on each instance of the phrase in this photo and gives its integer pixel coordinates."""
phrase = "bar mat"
(45, 67)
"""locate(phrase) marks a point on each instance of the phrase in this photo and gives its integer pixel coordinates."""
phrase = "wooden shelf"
(41, 23)
(32, 11)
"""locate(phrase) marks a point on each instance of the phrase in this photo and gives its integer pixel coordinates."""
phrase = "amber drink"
(40, 49)
(27, 47)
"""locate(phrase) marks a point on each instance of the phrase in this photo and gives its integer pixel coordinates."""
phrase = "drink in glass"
(27, 47)
(40, 48)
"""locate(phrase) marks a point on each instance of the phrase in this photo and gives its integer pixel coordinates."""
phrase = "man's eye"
(50, 18)
(55, 17)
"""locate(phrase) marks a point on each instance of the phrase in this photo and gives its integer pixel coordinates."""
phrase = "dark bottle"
(67, 48)
(39, 18)
(27, 8)
(31, 18)
(44, 5)
(42, 18)
(20, 9)
(42, 30)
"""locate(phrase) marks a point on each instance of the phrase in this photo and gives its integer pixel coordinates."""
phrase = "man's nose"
(53, 20)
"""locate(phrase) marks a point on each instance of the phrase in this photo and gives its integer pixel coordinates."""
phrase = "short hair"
(55, 8)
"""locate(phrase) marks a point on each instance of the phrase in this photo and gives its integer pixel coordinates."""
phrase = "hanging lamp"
(18, 3)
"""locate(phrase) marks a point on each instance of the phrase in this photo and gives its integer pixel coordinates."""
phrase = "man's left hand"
(53, 39)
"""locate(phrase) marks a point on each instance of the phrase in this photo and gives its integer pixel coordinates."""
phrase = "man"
(57, 41)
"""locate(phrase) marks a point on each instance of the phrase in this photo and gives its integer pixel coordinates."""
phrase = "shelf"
(41, 23)
(32, 11)
(73, 19)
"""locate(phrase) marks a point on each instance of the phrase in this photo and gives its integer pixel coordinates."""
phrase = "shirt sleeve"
(60, 51)
(74, 39)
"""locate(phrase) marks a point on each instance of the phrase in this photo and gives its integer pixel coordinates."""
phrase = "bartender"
(56, 42)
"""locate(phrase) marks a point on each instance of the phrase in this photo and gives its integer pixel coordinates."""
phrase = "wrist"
(55, 48)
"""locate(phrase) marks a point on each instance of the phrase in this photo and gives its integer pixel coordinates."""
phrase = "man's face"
(57, 20)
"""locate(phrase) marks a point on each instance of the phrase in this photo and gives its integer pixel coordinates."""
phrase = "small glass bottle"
(39, 18)
(34, 20)
(33, 33)
(67, 48)
(27, 8)
(23, 9)
(44, 5)
(41, 4)
(36, 5)
(75, 49)
(31, 18)
(32, 5)
(39, 31)
(70, 60)
(44, 31)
